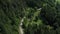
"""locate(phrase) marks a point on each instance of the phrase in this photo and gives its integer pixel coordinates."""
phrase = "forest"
(29, 17)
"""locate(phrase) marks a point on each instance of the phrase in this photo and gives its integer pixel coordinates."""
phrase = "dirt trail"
(20, 26)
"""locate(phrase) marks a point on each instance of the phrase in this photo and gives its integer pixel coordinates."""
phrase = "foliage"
(44, 21)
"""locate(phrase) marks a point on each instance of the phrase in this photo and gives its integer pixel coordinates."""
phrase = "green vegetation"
(42, 16)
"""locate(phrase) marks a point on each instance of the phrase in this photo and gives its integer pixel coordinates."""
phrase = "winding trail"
(20, 26)
(21, 23)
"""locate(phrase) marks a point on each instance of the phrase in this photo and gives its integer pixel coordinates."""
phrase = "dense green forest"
(39, 16)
